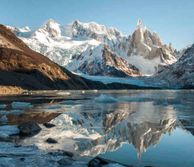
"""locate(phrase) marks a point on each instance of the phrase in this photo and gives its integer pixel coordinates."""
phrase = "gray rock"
(61, 153)
(51, 141)
(29, 129)
(100, 162)
(69, 154)
(97, 162)
(49, 125)
(65, 161)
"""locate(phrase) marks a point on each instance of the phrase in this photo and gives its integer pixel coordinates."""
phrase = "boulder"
(65, 161)
(100, 162)
(51, 141)
(62, 153)
(49, 125)
(29, 129)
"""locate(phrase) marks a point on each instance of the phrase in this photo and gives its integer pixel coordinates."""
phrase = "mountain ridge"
(61, 43)
(23, 68)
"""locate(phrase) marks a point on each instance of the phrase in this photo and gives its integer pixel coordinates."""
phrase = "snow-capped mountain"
(102, 61)
(78, 29)
(109, 36)
(50, 29)
(179, 74)
(147, 52)
(69, 45)
(50, 40)
(21, 32)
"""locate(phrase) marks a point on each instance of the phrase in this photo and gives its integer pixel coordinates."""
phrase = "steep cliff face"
(147, 52)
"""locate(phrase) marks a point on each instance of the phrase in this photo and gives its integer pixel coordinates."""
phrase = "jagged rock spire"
(139, 23)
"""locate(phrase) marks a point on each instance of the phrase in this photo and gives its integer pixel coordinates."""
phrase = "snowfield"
(105, 79)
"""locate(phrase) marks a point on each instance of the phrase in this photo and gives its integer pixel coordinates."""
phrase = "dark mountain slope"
(20, 66)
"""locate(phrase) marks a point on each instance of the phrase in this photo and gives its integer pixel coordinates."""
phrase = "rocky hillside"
(22, 67)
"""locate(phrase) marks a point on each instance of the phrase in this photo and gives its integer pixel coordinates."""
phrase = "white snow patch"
(146, 66)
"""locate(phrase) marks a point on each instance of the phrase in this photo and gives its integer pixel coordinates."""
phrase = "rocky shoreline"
(14, 154)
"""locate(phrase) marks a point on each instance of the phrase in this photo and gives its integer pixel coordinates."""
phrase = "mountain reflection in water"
(108, 123)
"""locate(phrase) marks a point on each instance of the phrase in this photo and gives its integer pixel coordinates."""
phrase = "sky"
(173, 20)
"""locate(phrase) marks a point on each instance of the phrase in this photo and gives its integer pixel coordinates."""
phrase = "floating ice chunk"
(2, 106)
(105, 99)
(21, 105)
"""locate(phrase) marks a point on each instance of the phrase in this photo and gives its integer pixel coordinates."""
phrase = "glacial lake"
(134, 127)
